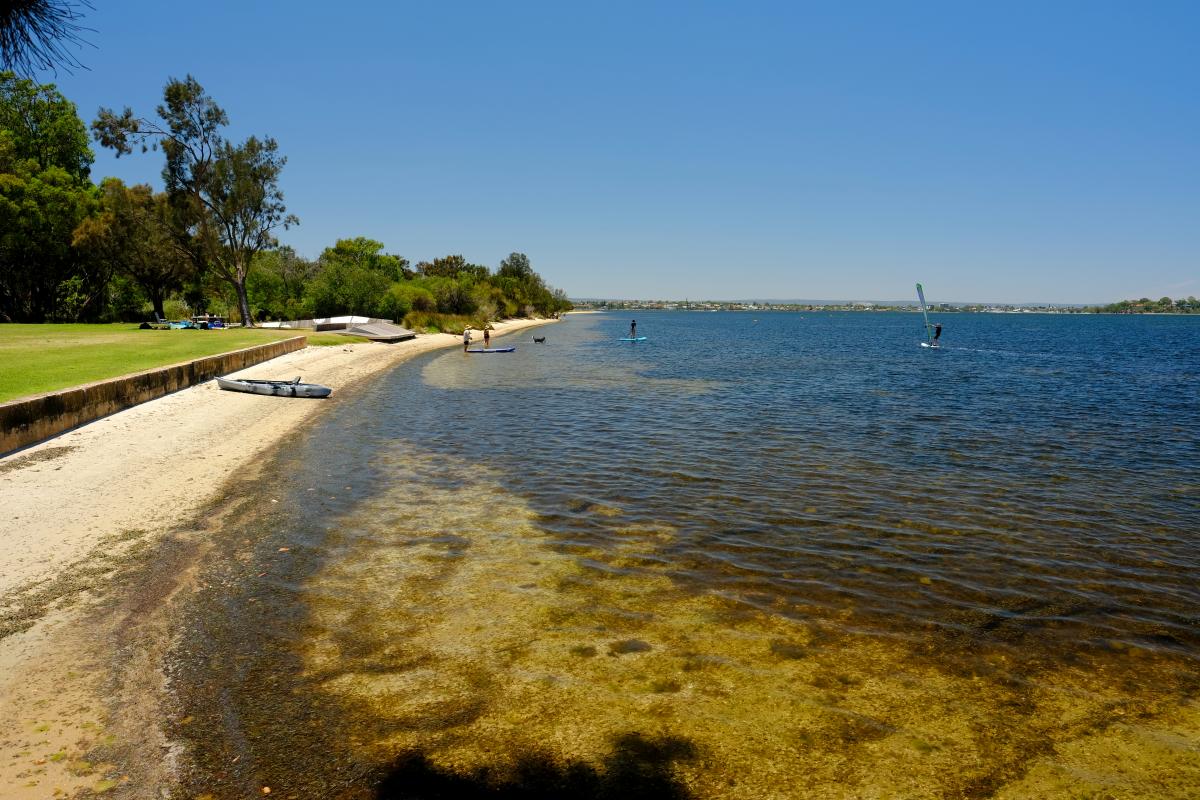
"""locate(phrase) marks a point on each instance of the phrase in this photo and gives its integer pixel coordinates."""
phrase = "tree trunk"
(244, 304)
(157, 299)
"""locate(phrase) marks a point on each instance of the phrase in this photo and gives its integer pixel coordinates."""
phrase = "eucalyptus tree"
(368, 254)
(453, 266)
(132, 235)
(225, 196)
(516, 266)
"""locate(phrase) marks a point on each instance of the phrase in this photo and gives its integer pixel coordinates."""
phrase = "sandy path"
(70, 507)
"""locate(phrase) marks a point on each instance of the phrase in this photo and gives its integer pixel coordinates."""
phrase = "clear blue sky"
(1020, 151)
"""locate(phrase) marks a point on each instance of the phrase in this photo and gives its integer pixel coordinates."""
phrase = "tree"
(33, 34)
(44, 195)
(226, 197)
(516, 266)
(132, 235)
(346, 288)
(452, 267)
(44, 127)
(277, 283)
(368, 254)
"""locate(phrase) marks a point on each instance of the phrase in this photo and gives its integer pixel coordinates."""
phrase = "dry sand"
(72, 505)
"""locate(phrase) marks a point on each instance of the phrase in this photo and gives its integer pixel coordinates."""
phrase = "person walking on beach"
(633, 329)
(466, 338)
(487, 337)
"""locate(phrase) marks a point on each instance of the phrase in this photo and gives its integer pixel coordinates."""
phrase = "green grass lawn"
(43, 358)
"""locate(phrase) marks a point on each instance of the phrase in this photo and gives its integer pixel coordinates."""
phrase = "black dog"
(541, 340)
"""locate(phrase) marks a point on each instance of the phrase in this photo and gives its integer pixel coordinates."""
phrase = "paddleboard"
(634, 339)
(492, 350)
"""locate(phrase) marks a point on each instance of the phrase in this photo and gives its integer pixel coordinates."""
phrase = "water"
(769, 554)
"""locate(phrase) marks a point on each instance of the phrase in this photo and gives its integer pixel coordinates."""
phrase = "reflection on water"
(504, 576)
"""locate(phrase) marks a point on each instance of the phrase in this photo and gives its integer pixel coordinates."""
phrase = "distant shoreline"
(1072, 310)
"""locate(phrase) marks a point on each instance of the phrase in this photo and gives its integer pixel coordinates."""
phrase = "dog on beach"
(541, 340)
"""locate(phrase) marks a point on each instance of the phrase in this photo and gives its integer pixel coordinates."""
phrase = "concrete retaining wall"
(32, 419)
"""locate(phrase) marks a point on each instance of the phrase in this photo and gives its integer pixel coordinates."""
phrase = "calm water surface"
(772, 555)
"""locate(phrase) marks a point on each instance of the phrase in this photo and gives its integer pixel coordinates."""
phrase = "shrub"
(176, 309)
(404, 297)
(432, 322)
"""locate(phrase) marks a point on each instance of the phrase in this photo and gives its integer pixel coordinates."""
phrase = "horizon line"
(806, 301)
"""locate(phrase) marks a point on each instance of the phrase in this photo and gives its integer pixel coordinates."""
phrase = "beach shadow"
(637, 767)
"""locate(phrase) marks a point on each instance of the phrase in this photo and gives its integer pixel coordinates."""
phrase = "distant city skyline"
(1017, 153)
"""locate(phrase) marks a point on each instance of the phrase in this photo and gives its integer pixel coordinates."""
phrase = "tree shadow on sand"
(638, 767)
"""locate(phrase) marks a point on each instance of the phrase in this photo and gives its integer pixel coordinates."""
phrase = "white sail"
(925, 313)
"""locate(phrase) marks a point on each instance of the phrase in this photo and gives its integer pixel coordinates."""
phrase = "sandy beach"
(83, 506)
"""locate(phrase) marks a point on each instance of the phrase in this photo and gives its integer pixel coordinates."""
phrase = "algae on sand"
(448, 634)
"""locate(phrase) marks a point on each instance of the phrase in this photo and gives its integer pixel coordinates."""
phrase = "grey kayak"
(281, 388)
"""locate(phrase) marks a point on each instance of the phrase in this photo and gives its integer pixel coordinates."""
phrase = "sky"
(1001, 152)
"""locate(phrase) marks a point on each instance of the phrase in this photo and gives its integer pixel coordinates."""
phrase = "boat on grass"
(279, 388)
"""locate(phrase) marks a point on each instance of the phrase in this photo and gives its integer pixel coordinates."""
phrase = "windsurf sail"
(925, 313)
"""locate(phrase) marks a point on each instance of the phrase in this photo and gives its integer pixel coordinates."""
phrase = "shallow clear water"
(756, 555)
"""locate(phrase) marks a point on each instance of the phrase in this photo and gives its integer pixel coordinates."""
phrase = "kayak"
(279, 388)
(492, 350)
(633, 338)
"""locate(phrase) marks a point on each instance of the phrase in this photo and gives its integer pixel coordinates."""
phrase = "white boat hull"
(276, 388)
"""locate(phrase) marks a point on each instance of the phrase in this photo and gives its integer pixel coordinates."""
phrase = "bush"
(126, 302)
(347, 289)
(432, 322)
(404, 297)
(453, 296)
(176, 309)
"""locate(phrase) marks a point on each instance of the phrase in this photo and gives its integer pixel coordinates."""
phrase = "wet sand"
(83, 509)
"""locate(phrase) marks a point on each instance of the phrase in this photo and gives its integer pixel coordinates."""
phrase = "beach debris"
(284, 549)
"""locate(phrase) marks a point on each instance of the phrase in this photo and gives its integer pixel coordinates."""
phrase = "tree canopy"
(132, 236)
(227, 195)
(71, 250)
(44, 195)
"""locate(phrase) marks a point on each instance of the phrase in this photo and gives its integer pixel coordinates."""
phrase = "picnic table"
(209, 321)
